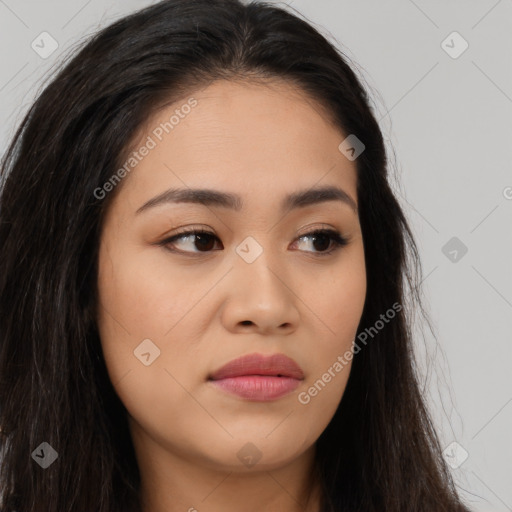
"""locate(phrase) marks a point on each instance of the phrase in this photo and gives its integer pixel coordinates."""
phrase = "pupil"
(325, 238)
(202, 242)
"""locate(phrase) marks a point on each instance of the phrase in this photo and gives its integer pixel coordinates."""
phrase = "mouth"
(257, 377)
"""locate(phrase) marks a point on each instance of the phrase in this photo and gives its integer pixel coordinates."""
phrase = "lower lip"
(258, 387)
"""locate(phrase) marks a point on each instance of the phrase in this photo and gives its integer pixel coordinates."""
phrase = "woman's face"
(173, 313)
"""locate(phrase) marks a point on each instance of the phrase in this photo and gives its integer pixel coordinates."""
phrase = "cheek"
(336, 298)
(140, 297)
(348, 293)
(336, 305)
(139, 303)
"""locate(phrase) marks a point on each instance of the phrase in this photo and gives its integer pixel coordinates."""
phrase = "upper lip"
(259, 364)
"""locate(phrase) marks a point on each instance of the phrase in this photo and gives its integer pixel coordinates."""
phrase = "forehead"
(252, 138)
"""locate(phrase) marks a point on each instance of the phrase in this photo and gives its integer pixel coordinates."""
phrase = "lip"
(258, 377)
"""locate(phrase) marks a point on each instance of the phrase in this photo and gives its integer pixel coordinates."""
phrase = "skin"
(204, 309)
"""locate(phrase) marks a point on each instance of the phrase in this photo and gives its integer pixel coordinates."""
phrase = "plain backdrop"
(440, 76)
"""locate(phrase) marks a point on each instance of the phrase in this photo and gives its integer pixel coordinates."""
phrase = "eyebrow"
(209, 197)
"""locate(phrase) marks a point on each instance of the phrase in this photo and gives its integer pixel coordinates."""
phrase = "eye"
(322, 239)
(204, 241)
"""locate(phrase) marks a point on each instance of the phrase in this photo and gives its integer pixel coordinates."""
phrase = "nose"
(261, 298)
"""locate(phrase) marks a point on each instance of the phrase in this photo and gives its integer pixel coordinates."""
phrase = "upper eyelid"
(192, 231)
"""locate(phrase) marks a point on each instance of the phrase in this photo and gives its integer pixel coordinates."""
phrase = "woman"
(143, 369)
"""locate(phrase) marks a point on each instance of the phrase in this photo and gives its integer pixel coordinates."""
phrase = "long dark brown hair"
(380, 451)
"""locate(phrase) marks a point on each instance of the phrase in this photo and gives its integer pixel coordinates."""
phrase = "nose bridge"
(260, 294)
(256, 265)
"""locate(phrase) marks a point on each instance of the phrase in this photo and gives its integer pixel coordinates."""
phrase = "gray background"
(448, 120)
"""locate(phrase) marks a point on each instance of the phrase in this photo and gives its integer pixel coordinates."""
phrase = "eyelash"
(336, 238)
